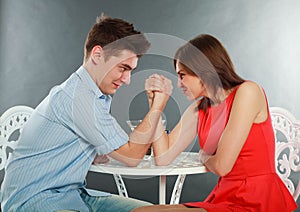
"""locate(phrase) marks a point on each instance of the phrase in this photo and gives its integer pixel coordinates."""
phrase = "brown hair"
(205, 57)
(114, 35)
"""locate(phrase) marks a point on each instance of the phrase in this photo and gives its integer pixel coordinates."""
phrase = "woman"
(232, 120)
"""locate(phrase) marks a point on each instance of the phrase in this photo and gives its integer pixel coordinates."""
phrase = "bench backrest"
(11, 125)
(287, 155)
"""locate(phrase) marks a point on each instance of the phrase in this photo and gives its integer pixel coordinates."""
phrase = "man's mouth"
(116, 85)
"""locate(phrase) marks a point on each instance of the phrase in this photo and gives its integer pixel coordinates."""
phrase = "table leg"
(120, 185)
(177, 189)
(162, 189)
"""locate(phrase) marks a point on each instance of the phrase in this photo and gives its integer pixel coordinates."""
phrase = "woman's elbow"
(221, 172)
(160, 161)
(220, 169)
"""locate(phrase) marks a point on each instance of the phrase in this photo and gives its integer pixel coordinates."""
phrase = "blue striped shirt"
(58, 145)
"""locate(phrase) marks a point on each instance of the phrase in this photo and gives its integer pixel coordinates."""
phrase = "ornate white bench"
(287, 134)
(286, 129)
(11, 125)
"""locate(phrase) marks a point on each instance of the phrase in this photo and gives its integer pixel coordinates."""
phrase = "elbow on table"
(221, 172)
(133, 163)
(220, 169)
(162, 162)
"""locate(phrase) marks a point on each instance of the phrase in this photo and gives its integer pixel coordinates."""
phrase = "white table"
(186, 163)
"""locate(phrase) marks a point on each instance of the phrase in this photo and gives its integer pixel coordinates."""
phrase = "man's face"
(117, 71)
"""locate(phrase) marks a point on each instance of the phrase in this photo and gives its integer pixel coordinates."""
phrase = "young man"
(72, 127)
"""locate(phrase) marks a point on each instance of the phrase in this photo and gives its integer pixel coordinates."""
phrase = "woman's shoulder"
(250, 92)
(251, 97)
(249, 87)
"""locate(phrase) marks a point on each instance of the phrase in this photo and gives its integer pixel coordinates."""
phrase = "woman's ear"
(96, 54)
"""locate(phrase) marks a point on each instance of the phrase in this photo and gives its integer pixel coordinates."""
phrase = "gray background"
(41, 44)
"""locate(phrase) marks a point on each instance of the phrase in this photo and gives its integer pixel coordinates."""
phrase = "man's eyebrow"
(128, 67)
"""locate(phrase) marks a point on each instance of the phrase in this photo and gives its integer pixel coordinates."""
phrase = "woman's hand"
(158, 89)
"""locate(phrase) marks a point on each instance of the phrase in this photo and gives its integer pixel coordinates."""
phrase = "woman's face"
(192, 86)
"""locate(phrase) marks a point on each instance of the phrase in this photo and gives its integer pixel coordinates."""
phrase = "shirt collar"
(86, 78)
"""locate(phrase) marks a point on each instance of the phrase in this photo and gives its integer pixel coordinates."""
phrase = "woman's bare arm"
(168, 147)
(249, 107)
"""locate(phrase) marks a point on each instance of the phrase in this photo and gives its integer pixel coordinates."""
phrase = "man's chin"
(112, 92)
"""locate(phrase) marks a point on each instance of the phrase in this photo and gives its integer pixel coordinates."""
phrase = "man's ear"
(96, 54)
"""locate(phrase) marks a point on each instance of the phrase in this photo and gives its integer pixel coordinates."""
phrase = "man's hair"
(115, 35)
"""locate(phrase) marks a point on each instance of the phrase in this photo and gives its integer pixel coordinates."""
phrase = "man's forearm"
(145, 132)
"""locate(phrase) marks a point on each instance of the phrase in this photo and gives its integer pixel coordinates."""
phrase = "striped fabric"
(57, 147)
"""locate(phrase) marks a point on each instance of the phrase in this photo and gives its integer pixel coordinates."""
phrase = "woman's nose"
(179, 82)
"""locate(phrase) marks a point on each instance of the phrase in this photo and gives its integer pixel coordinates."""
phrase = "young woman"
(233, 124)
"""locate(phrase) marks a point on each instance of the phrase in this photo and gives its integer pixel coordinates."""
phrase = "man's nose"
(126, 77)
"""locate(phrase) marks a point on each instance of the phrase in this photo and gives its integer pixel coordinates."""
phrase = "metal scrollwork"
(10, 122)
(287, 135)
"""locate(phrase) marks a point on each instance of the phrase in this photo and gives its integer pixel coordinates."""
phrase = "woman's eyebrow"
(180, 71)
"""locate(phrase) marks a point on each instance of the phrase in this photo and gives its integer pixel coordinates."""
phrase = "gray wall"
(42, 44)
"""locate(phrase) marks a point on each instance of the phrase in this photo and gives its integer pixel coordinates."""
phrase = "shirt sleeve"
(94, 123)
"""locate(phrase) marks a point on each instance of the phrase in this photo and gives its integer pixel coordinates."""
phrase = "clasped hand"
(158, 88)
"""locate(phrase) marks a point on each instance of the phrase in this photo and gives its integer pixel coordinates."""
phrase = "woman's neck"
(221, 95)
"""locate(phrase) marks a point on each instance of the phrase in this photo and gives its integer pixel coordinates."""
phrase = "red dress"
(252, 184)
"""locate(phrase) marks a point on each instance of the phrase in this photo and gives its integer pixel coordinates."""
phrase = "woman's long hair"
(205, 57)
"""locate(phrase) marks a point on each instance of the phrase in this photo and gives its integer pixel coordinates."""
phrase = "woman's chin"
(191, 98)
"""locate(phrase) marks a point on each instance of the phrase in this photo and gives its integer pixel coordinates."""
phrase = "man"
(72, 125)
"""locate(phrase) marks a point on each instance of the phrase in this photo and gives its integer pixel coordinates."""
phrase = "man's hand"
(100, 159)
(159, 85)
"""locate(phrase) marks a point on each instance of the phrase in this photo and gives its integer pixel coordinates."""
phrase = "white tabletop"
(185, 163)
